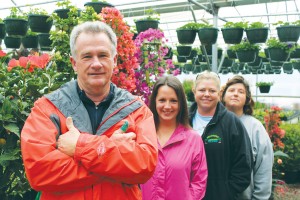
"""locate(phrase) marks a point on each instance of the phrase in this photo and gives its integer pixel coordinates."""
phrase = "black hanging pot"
(186, 36)
(97, 6)
(16, 27)
(30, 41)
(39, 23)
(44, 40)
(208, 36)
(184, 50)
(257, 35)
(2, 30)
(62, 13)
(13, 42)
(143, 25)
(288, 33)
(232, 35)
(278, 54)
(246, 56)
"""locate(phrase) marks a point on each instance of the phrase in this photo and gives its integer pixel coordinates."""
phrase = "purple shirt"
(181, 171)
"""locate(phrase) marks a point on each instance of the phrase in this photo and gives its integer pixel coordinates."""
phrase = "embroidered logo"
(101, 149)
(213, 139)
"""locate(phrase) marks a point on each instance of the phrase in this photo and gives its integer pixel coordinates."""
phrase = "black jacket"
(228, 154)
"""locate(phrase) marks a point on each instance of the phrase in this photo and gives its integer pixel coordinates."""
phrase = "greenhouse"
(257, 39)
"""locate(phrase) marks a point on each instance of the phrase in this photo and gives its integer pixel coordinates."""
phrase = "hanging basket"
(232, 35)
(97, 6)
(278, 54)
(12, 42)
(143, 25)
(257, 35)
(264, 89)
(30, 41)
(16, 27)
(62, 13)
(246, 56)
(186, 36)
(184, 50)
(44, 40)
(208, 36)
(295, 54)
(2, 30)
(288, 33)
(39, 23)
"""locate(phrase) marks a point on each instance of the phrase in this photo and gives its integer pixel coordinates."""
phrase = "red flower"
(2, 54)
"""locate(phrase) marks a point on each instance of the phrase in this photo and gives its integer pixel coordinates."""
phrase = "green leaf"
(13, 128)
(280, 153)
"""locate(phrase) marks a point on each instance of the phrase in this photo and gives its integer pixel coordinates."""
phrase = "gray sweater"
(261, 180)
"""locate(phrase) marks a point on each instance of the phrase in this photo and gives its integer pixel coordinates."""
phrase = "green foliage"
(16, 13)
(18, 91)
(191, 26)
(64, 4)
(30, 33)
(188, 89)
(240, 24)
(257, 25)
(37, 11)
(291, 142)
(150, 14)
(275, 43)
(258, 84)
(245, 45)
(282, 23)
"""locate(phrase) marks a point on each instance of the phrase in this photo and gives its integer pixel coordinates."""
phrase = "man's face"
(94, 61)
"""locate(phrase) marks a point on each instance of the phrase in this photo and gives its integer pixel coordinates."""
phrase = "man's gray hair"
(92, 27)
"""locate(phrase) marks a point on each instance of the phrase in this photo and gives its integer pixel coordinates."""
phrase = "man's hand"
(120, 136)
(67, 142)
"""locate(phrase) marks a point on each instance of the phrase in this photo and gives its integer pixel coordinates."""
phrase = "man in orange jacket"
(73, 143)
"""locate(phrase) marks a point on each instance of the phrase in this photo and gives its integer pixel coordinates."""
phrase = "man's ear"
(73, 61)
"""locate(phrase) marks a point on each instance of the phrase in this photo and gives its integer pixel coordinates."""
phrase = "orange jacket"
(100, 168)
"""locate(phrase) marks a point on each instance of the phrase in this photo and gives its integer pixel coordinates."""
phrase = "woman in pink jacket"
(181, 172)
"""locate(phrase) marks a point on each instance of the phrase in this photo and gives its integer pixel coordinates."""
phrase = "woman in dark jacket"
(227, 144)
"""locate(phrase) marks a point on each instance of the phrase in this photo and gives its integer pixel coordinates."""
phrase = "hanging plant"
(151, 48)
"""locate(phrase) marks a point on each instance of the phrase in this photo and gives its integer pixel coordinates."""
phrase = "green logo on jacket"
(212, 139)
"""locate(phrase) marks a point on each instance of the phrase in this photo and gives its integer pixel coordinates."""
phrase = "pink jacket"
(181, 172)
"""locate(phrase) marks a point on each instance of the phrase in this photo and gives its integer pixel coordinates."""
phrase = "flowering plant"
(29, 63)
(124, 72)
(150, 51)
(272, 123)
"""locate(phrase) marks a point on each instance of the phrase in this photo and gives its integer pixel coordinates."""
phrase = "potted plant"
(151, 20)
(296, 52)
(245, 51)
(186, 34)
(39, 20)
(30, 40)
(2, 29)
(184, 50)
(12, 41)
(279, 51)
(264, 87)
(64, 9)
(257, 32)
(291, 164)
(233, 32)
(296, 64)
(207, 34)
(98, 5)
(288, 32)
(16, 23)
